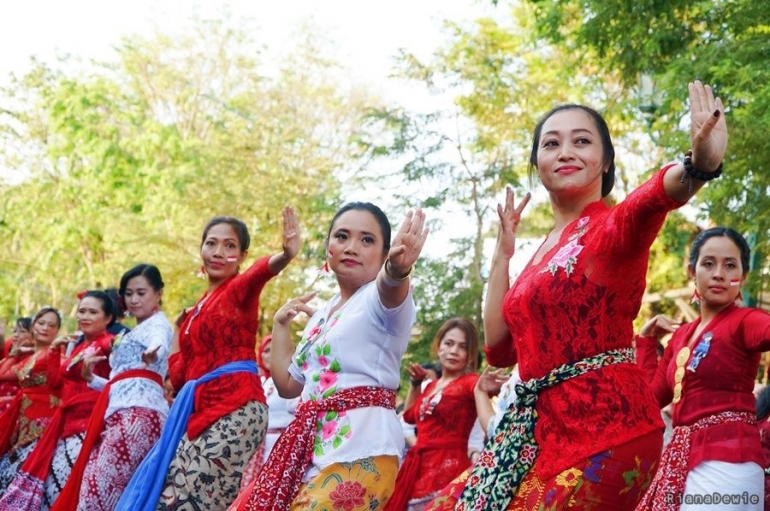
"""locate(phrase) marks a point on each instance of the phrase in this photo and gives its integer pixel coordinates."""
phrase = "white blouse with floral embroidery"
(360, 345)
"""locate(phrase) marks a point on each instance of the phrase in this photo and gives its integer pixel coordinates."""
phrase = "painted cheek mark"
(735, 282)
(232, 259)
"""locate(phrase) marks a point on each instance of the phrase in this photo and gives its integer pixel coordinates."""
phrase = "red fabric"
(667, 489)
(38, 463)
(9, 383)
(264, 371)
(67, 376)
(561, 318)
(225, 330)
(448, 425)
(278, 482)
(722, 382)
(7, 345)
(68, 498)
(8, 421)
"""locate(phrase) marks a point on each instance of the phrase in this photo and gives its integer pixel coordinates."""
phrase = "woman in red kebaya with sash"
(585, 416)
(19, 347)
(707, 372)
(45, 472)
(219, 416)
(34, 405)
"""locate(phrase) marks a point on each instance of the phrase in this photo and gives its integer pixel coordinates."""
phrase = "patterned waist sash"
(279, 480)
(68, 499)
(510, 454)
(146, 485)
(672, 472)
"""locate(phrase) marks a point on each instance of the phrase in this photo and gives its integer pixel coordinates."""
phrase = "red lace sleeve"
(247, 287)
(755, 328)
(659, 384)
(177, 370)
(502, 355)
(53, 359)
(647, 355)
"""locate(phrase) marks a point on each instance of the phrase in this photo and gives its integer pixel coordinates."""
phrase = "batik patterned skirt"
(611, 480)
(128, 436)
(206, 472)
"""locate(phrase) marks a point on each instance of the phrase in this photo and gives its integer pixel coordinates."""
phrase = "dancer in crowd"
(19, 347)
(342, 449)
(444, 414)
(280, 412)
(219, 416)
(45, 472)
(707, 372)
(585, 416)
(130, 412)
(34, 405)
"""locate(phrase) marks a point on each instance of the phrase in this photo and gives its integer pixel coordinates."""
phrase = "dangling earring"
(695, 298)
(202, 272)
(324, 269)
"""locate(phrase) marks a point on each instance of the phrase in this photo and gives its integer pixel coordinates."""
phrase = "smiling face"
(718, 272)
(355, 249)
(570, 155)
(21, 336)
(92, 320)
(141, 300)
(453, 352)
(221, 252)
(45, 328)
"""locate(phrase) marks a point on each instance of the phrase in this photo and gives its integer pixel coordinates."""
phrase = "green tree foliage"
(127, 160)
(503, 78)
(722, 42)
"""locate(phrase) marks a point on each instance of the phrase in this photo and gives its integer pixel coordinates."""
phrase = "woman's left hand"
(408, 243)
(150, 356)
(291, 239)
(708, 129)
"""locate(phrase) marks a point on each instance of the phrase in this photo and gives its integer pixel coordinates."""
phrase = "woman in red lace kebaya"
(47, 468)
(219, 416)
(585, 430)
(19, 347)
(707, 372)
(33, 406)
(444, 414)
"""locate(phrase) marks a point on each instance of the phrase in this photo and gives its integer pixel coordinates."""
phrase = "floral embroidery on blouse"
(566, 257)
(332, 427)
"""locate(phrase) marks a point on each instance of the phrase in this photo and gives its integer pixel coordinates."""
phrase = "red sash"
(667, 489)
(279, 480)
(68, 498)
(38, 463)
(407, 475)
(8, 423)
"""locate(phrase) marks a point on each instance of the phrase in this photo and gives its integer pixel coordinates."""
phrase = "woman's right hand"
(510, 217)
(292, 308)
(417, 373)
(491, 380)
(708, 128)
(658, 326)
(87, 369)
(64, 339)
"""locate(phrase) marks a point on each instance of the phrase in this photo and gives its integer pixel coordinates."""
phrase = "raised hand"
(510, 217)
(150, 356)
(659, 326)
(292, 308)
(416, 372)
(408, 243)
(291, 238)
(492, 380)
(708, 129)
(86, 370)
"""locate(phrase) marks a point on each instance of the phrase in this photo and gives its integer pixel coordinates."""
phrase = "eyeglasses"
(681, 360)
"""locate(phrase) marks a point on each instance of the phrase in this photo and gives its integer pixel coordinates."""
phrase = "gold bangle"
(393, 277)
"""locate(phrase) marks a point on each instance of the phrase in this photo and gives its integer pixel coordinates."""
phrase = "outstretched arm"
(291, 242)
(495, 330)
(393, 278)
(708, 139)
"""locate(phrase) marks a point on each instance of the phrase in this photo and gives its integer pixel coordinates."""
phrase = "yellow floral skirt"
(359, 485)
